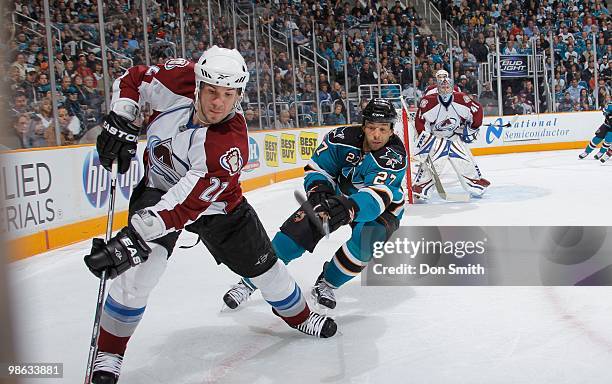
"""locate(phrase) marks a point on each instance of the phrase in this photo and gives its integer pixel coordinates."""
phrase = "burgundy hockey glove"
(319, 191)
(117, 141)
(127, 249)
(339, 211)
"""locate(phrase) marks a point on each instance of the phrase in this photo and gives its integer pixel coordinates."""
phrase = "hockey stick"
(509, 123)
(455, 197)
(102, 288)
(321, 224)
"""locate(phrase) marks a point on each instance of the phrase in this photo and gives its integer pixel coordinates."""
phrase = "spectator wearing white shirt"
(571, 55)
(574, 90)
(510, 49)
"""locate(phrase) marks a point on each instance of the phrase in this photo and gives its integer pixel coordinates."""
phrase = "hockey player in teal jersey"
(603, 133)
(354, 177)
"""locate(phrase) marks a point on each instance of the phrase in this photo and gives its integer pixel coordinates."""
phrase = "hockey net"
(404, 128)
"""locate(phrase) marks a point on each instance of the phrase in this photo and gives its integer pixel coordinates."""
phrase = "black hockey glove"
(117, 141)
(319, 191)
(127, 249)
(339, 211)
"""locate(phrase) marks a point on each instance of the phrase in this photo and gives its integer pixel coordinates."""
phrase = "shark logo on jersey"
(232, 161)
(393, 158)
(299, 216)
(338, 133)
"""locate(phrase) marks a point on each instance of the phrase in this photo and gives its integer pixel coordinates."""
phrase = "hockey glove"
(339, 210)
(117, 141)
(319, 191)
(469, 134)
(127, 249)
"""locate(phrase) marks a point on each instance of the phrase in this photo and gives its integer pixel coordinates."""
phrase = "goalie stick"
(321, 224)
(455, 197)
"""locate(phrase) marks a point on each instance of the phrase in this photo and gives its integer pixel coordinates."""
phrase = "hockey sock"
(286, 249)
(593, 144)
(606, 144)
(117, 325)
(281, 291)
(127, 299)
(343, 267)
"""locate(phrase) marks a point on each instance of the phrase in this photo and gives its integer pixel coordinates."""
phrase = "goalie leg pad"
(467, 170)
(476, 187)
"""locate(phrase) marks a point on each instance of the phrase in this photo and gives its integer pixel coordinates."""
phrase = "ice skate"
(106, 368)
(322, 292)
(238, 294)
(318, 325)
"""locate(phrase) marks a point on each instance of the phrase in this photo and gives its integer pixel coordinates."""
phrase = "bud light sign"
(513, 66)
(96, 180)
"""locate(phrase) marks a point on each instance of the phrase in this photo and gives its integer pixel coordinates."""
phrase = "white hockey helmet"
(223, 67)
(441, 74)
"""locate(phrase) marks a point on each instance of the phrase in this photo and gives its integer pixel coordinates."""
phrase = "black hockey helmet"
(379, 111)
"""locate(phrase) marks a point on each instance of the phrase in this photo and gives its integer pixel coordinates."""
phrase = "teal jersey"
(373, 179)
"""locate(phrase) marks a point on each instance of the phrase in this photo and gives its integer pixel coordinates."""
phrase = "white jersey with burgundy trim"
(164, 87)
(197, 166)
(443, 119)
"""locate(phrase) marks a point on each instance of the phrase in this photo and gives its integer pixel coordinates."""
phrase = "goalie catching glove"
(469, 134)
(117, 141)
(339, 210)
(125, 250)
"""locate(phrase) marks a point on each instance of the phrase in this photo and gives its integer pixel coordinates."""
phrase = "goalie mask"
(380, 111)
(445, 85)
(221, 67)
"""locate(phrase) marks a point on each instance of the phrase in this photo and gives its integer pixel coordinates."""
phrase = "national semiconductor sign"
(526, 129)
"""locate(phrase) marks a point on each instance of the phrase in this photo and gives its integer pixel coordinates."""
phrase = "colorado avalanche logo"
(161, 155)
(448, 124)
(232, 161)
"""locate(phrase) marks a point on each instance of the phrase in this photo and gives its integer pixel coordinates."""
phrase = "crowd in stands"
(79, 74)
(579, 32)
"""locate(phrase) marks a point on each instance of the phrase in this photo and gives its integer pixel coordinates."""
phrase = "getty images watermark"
(489, 256)
(412, 248)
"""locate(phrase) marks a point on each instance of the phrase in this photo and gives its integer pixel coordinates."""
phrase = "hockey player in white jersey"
(197, 144)
(446, 121)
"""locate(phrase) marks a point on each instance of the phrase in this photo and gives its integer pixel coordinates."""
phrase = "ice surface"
(387, 334)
